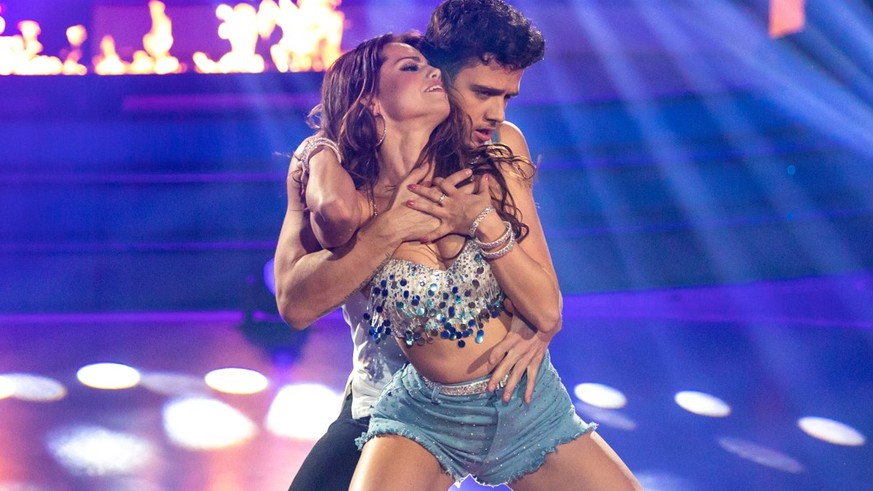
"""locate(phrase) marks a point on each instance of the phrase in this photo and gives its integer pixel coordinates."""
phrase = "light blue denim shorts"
(479, 434)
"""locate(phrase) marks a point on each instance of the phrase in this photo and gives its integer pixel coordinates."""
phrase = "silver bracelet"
(507, 234)
(475, 226)
(502, 251)
(314, 142)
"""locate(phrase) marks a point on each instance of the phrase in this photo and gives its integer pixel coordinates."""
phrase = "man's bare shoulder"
(512, 137)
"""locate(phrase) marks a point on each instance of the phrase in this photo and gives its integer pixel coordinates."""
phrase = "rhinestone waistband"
(467, 389)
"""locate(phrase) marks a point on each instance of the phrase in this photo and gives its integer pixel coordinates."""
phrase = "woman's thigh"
(396, 463)
(586, 463)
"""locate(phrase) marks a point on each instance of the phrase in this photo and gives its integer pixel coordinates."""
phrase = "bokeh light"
(760, 454)
(236, 381)
(96, 451)
(7, 387)
(200, 423)
(35, 388)
(702, 404)
(600, 395)
(605, 417)
(303, 411)
(174, 384)
(108, 376)
(831, 431)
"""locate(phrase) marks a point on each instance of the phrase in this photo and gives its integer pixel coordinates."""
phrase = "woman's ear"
(371, 102)
(374, 107)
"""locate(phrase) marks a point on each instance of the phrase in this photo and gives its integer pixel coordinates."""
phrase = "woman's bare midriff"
(444, 362)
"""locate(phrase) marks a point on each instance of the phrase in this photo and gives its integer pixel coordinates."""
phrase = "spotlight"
(236, 381)
(303, 411)
(600, 395)
(702, 404)
(34, 388)
(831, 431)
(108, 376)
(200, 423)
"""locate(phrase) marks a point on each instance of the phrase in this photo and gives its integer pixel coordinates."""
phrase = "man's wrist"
(375, 233)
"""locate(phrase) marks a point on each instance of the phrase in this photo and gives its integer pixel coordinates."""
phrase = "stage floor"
(768, 355)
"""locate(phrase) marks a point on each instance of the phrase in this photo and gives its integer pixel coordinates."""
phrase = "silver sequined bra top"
(418, 303)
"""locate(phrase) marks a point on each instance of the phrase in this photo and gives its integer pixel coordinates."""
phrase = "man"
(485, 73)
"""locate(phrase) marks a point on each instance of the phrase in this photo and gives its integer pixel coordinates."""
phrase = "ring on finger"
(441, 198)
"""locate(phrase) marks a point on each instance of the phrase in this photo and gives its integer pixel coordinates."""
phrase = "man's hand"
(520, 352)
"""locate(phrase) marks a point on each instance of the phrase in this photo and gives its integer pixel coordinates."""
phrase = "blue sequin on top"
(418, 303)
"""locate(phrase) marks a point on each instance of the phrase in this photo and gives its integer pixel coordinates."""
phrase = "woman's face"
(409, 88)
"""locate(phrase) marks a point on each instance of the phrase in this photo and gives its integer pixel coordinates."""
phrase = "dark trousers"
(331, 462)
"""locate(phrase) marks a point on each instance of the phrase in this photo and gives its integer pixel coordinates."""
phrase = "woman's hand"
(520, 352)
(455, 207)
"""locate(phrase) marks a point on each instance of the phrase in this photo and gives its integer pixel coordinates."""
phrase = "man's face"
(483, 90)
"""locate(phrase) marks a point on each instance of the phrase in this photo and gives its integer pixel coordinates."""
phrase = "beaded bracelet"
(502, 251)
(314, 142)
(507, 235)
(475, 226)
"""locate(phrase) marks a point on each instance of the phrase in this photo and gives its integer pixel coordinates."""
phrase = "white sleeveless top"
(373, 363)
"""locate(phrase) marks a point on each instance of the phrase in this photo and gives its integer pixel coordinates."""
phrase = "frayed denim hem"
(428, 445)
(542, 460)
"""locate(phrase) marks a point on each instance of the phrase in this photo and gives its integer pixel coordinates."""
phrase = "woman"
(446, 302)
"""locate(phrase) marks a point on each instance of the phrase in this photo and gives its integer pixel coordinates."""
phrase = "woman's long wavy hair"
(344, 116)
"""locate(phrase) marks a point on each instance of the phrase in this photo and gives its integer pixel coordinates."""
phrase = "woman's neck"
(398, 154)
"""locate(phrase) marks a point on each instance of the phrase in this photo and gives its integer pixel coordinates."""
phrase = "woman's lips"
(483, 135)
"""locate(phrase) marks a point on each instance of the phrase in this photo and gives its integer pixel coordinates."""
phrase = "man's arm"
(311, 281)
(336, 209)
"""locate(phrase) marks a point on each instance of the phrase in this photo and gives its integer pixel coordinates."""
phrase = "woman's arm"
(526, 273)
(522, 350)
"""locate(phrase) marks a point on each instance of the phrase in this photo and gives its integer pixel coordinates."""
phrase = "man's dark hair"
(463, 32)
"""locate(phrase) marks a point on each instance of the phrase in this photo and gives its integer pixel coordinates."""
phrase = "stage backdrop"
(677, 145)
